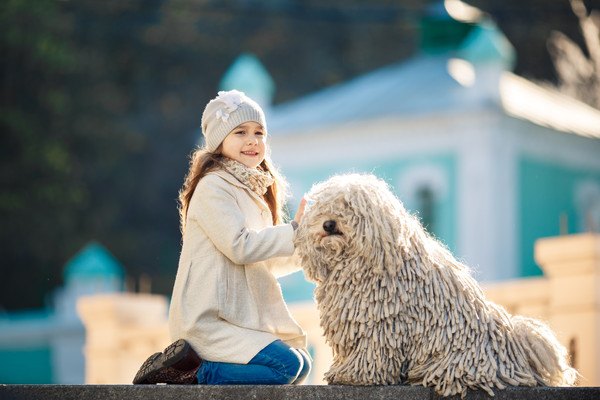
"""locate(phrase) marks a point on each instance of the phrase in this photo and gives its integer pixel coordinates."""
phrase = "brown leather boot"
(176, 365)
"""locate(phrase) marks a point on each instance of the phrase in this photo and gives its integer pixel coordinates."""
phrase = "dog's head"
(348, 217)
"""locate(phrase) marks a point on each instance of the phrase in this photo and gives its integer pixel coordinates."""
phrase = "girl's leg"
(276, 364)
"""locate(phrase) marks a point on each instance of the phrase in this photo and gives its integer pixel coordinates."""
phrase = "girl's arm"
(282, 266)
(219, 215)
(286, 265)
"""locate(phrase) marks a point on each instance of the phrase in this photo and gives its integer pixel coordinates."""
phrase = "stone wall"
(567, 297)
(122, 330)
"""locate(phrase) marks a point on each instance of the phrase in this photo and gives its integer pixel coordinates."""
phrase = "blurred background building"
(458, 109)
(46, 345)
(489, 160)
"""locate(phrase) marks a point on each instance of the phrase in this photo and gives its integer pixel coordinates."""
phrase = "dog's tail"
(545, 355)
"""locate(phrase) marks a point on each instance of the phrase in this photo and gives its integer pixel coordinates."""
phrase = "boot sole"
(177, 364)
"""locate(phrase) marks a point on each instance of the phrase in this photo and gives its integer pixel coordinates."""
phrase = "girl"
(227, 309)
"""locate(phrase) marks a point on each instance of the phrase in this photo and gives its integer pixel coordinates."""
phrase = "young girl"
(227, 309)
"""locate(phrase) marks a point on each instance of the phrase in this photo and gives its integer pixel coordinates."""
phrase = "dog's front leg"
(342, 372)
(366, 365)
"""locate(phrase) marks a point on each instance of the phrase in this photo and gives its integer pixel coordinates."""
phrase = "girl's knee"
(292, 367)
(287, 363)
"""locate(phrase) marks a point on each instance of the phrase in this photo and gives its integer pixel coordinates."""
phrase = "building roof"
(93, 261)
(420, 85)
(429, 84)
(546, 106)
(487, 43)
(249, 75)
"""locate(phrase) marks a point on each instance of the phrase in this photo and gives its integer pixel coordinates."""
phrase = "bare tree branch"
(579, 75)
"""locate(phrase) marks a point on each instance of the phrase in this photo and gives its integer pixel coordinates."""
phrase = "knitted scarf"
(258, 181)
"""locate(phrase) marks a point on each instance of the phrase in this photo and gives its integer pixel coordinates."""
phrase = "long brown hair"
(202, 162)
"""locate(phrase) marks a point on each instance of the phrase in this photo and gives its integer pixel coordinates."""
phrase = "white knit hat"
(226, 111)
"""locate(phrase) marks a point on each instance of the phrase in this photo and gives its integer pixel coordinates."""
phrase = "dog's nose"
(329, 226)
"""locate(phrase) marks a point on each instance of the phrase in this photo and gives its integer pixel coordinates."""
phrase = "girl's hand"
(300, 211)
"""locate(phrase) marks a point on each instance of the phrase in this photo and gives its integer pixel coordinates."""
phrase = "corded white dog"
(397, 308)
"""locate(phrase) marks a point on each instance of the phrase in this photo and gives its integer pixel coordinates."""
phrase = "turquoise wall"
(390, 170)
(546, 191)
(294, 287)
(32, 365)
(445, 208)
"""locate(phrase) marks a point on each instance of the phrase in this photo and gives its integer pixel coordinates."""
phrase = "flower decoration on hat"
(231, 101)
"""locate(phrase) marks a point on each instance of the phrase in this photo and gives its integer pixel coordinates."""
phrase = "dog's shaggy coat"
(397, 307)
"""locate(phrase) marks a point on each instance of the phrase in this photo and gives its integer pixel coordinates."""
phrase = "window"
(423, 188)
(426, 207)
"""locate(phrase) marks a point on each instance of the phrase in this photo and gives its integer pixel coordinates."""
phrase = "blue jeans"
(276, 364)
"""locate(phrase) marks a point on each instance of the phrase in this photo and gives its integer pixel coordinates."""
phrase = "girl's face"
(246, 143)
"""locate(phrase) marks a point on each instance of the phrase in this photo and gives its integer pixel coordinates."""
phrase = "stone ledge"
(119, 392)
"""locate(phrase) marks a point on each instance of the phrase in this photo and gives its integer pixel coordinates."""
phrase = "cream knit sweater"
(226, 301)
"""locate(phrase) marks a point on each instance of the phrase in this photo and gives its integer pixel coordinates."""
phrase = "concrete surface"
(162, 392)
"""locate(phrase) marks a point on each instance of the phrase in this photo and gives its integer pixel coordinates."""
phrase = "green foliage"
(36, 177)
(74, 165)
